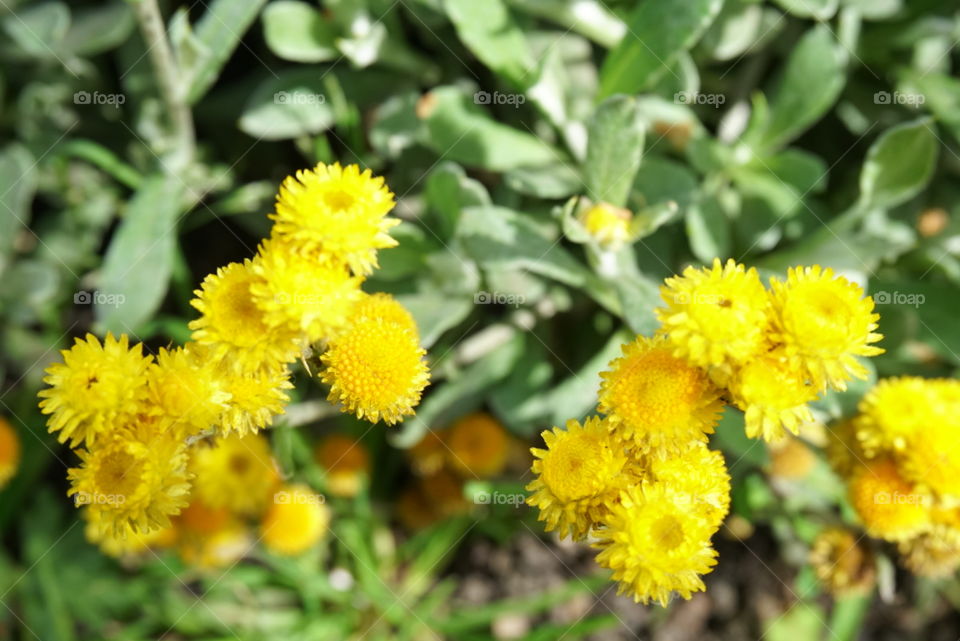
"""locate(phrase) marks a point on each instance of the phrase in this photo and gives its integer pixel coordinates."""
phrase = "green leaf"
(803, 621)
(614, 149)
(576, 396)
(18, 183)
(734, 31)
(447, 192)
(219, 31)
(798, 102)
(97, 29)
(942, 96)
(139, 261)
(899, 164)
(489, 31)
(297, 31)
(590, 18)
(818, 9)
(849, 612)
(639, 296)
(38, 28)
(291, 105)
(657, 31)
(708, 230)
(459, 130)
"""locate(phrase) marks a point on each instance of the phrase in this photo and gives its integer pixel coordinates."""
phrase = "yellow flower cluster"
(771, 350)
(640, 478)
(138, 420)
(900, 457)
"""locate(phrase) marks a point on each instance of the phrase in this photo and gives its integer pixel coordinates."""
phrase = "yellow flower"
(656, 399)
(429, 454)
(897, 410)
(609, 225)
(234, 472)
(824, 322)
(891, 508)
(932, 458)
(337, 212)
(135, 478)
(773, 396)
(715, 316)
(842, 562)
(791, 460)
(184, 391)
(443, 491)
(95, 387)
(478, 446)
(9, 451)
(655, 544)
(375, 370)
(300, 293)
(295, 521)
(128, 543)
(256, 397)
(935, 553)
(233, 326)
(347, 463)
(384, 307)
(700, 477)
(579, 476)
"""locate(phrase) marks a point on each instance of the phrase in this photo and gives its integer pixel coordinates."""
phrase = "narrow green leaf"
(18, 183)
(708, 230)
(657, 31)
(614, 149)
(489, 31)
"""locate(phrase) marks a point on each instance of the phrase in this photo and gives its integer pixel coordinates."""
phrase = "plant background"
(777, 133)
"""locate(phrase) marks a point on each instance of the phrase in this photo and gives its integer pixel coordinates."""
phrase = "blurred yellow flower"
(233, 326)
(715, 316)
(658, 400)
(824, 322)
(375, 370)
(843, 562)
(891, 508)
(579, 476)
(256, 397)
(295, 521)
(234, 472)
(96, 387)
(935, 553)
(9, 451)
(300, 293)
(429, 454)
(125, 544)
(346, 462)
(656, 544)
(336, 212)
(210, 537)
(478, 446)
(609, 225)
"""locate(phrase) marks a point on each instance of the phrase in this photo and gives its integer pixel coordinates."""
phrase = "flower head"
(824, 322)
(256, 397)
(842, 562)
(295, 521)
(9, 451)
(478, 446)
(346, 461)
(134, 479)
(656, 399)
(898, 410)
(655, 544)
(715, 316)
(95, 387)
(935, 553)
(891, 508)
(579, 476)
(210, 537)
(125, 544)
(385, 308)
(300, 293)
(698, 476)
(429, 454)
(184, 391)
(337, 212)
(773, 396)
(234, 472)
(609, 225)
(232, 324)
(375, 370)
